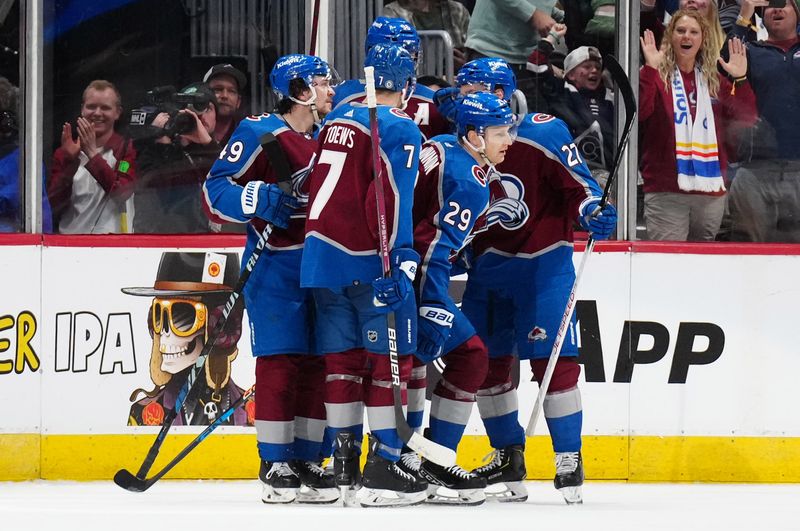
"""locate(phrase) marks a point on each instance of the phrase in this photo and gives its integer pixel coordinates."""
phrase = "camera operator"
(173, 163)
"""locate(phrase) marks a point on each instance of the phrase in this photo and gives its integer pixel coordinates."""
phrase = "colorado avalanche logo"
(400, 114)
(509, 209)
(541, 118)
(537, 334)
(479, 175)
(298, 186)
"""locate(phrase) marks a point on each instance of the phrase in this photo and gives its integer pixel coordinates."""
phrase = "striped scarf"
(696, 147)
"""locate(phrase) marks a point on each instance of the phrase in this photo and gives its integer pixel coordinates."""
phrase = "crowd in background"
(735, 66)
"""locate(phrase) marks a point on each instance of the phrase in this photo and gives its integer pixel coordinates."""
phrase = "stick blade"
(441, 455)
(129, 482)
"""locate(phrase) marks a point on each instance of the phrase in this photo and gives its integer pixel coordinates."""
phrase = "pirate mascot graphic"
(189, 296)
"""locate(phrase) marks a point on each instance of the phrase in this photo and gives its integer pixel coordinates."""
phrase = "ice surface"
(236, 505)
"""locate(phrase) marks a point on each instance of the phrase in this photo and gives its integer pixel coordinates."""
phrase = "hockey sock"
(562, 405)
(309, 421)
(344, 394)
(498, 404)
(379, 400)
(416, 394)
(275, 389)
(451, 405)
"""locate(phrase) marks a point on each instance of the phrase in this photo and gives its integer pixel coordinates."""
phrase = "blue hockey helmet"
(385, 30)
(481, 110)
(297, 66)
(394, 68)
(491, 72)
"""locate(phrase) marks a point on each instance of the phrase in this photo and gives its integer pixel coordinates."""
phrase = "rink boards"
(688, 351)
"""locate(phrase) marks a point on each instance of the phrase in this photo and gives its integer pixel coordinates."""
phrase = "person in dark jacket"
(764, 200)
(172, 170)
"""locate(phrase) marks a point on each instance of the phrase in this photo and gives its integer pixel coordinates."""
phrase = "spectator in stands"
(765, 194)
(173, 168)
(92, 176)
(10, 211)
(447, 15)
(685, 106)
(508, 29)
(590, 23)
(652, 16)
(581, 99)
(227, 83)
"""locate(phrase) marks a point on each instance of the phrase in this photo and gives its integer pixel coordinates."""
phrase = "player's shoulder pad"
(448, 140)
(545, 129)
(399, 123)
(423, 93)
(399, 113)
(348, 91)
(257, 125)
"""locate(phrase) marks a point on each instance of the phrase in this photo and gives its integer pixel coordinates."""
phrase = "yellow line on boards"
(234, 456)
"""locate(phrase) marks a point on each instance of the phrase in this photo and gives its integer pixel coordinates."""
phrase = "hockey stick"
(428, 449)
(624, 85)
(270, 144)
(312, 48)
(128, 481)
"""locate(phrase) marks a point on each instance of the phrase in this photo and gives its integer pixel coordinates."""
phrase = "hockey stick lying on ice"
(624, 85)
(284, 177)
(128, 481)
(428, 449)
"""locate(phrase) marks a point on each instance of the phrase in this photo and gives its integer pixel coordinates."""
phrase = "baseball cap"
(579, 55)
(201, 89)
(228, 70)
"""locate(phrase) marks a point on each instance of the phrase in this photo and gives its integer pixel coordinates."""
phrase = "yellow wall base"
(724, 459)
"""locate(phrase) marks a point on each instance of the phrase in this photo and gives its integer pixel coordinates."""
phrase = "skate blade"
(270, 495)
(348, 495)
(572, 495)
(389, 498)
(312, 495)
(512, 491)
(439, 495)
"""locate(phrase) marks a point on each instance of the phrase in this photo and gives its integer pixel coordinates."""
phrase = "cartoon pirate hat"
(192, 274)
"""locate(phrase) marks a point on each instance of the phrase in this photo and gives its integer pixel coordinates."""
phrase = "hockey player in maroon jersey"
(341, 263)
(487, 74)
(543, 189)
(290, 375)
(451, 195)
(420, 105)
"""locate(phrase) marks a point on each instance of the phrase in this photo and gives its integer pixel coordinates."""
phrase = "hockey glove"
(268, 202)
(433, 329)
(446, 100)
(599, 222)
(390, 292)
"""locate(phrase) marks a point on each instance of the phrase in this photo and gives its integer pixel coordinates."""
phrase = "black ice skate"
(569, 476)
(280, 482)
(507, 470)
(318, 485)
(386, 484)
(346, 471)
(452, 485)
(410, 463)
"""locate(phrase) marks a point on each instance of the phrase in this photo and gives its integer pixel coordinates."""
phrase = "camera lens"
(180, 124)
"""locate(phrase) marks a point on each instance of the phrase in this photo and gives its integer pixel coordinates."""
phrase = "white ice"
(236, 505)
